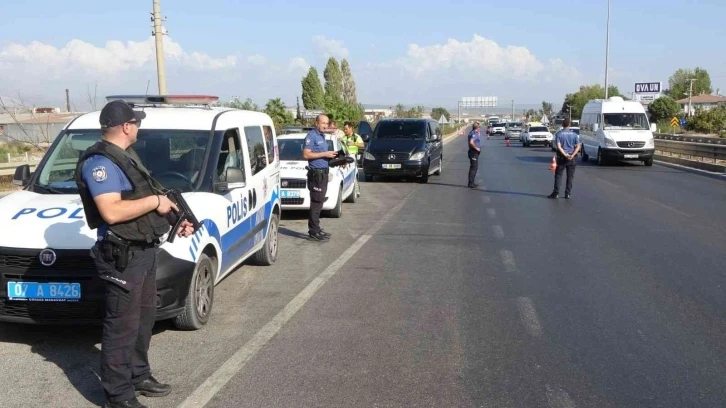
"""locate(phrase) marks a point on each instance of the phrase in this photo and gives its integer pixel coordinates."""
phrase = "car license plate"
(391, 166)
(631, 156)
(290, 194)
(53, 291)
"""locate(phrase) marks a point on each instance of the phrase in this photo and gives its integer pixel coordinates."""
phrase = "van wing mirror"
(234, 178)
(653, 127)
(22, 175)
(595, 127)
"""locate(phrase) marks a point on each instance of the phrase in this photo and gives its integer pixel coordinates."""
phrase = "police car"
(224, 161)
(342, 181)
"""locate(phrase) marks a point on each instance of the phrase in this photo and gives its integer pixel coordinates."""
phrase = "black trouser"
(130, 313)
(318, 187)
(473, 165)
(562, 164)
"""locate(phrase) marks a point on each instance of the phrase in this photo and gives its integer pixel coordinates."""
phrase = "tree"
(298, 115)
(340, 111)
(312, 90)
(279, 114)
(349, 91)
(579, 99)
(708, 120)
(547, 108)
(679, 83)
(246, 105)
(437, 112)
(400, 111)
(33, 125)
(333, 80)
(662, 108)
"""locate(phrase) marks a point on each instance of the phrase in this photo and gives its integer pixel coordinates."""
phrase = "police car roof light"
(165, 99)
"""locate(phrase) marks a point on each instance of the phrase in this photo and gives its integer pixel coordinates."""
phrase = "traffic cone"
(553, 165)
(507, 142)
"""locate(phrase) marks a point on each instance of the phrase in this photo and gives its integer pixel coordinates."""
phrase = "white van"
(224, 161)
(615, 129)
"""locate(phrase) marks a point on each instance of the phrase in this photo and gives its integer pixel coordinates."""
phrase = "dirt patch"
(6, 184)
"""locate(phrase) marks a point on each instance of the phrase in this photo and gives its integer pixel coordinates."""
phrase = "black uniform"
(318, 172)
(125, 257)
(473, 156)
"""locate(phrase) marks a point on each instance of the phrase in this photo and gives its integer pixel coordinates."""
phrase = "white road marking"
(492, 213)
(528, 314)
(558, 398)
(207, 390)
(498, 231)
(508, 261)
(668, 207)
(486, 199)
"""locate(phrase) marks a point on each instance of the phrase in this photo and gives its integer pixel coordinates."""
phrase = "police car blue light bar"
(165, 99)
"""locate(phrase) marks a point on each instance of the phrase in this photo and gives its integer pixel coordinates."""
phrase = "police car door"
(346, 173)
(233, 172)
(259, 184)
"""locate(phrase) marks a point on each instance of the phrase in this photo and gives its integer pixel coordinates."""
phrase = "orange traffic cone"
(553, 165)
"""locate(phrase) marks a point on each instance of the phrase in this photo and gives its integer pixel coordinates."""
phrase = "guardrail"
(691, 138)
(703, 156)
(8, 169)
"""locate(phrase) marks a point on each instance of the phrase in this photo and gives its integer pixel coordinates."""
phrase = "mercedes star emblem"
(47, 257)
(391, 156)
(631, 144)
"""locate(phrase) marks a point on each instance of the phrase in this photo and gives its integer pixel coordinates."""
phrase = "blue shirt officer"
(474, 139)
(316, 152)
(568, 146)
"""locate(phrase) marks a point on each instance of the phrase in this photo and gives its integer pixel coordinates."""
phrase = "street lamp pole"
(607, 50)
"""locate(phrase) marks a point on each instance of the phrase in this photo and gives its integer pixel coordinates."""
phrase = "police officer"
(474, 152)
(315, 151)
(122, 202)
(568, 146)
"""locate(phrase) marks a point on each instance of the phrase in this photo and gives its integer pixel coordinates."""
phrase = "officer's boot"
(132, 403)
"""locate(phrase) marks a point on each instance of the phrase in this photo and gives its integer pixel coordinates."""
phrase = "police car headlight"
(368, 156)
(418, 156)
(650, 143)
(610, 142)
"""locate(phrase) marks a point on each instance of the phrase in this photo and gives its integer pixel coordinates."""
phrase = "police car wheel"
(337, 212)
(198, 305)
(353, 197)
(267, 255)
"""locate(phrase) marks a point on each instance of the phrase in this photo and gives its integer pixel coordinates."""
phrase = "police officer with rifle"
(131, 213)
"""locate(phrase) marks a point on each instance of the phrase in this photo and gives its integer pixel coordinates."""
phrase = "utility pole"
(512, 109)
(607, 50)
(158, 34)
(68, 101)
(690, 95)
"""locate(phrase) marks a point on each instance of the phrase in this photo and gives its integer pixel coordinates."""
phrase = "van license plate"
(391, 166)
(53, 291)
(631, 156)
(290, 194)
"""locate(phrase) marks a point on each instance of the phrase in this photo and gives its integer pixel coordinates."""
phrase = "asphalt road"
(438, 295)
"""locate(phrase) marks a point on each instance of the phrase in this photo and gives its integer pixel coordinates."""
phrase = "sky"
(410, 52)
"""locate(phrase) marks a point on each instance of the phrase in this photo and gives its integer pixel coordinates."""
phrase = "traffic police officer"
(122, 202)
(568, 146)
(474, 152)
(315, 151)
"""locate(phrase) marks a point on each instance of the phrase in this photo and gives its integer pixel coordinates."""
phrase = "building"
(704, 101)
(39, 127)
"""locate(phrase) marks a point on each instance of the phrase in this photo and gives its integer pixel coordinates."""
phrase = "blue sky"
(524, 50)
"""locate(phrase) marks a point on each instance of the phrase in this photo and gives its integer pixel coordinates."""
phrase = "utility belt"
(116, 249)
(317, 171)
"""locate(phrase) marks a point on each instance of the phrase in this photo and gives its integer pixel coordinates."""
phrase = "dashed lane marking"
(528, 314)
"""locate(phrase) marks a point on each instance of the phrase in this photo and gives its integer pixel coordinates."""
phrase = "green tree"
(662, 108)
(400, 111)
(708, 120)
(679, 83)
(437, 112)
(312, 90)
(279, 114)
(333, 80)
(298, 113)
(341, 111)
(579, 99)
(349, 91)
(547, 108)
(246, 105)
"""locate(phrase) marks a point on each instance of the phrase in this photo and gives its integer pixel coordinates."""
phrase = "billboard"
(647, 87)
(478, 102)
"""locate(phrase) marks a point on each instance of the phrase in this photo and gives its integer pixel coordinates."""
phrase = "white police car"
(225, 162)
(342, 181)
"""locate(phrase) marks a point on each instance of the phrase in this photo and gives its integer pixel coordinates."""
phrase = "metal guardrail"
(691, 138)
(8, 169)
(705, 152)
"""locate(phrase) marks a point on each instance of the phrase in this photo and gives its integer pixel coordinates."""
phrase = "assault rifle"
(185, 213)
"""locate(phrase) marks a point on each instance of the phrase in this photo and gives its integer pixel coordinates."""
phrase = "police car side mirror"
(22, 175)
(234, 178)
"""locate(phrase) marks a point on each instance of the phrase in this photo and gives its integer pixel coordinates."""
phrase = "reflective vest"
(351, 141)
(148, 227)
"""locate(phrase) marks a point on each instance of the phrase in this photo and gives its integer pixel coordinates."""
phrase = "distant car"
(513, 130)
(554, 142)
(294, 194)
(295, 129)
(498, 129)
(536, 134)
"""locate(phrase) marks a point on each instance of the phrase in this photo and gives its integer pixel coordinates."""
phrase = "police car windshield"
(291, 149)
(625, 121)
(400, 129)
(174, 158)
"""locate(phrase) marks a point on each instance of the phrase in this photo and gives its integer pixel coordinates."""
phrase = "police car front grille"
(52, 311)
(14, 258)
(293, 201)
(293, 183)
(635, 145)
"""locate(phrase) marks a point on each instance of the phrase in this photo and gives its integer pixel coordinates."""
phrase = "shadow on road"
(482, 190)
(294, 234)
(535, 159)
